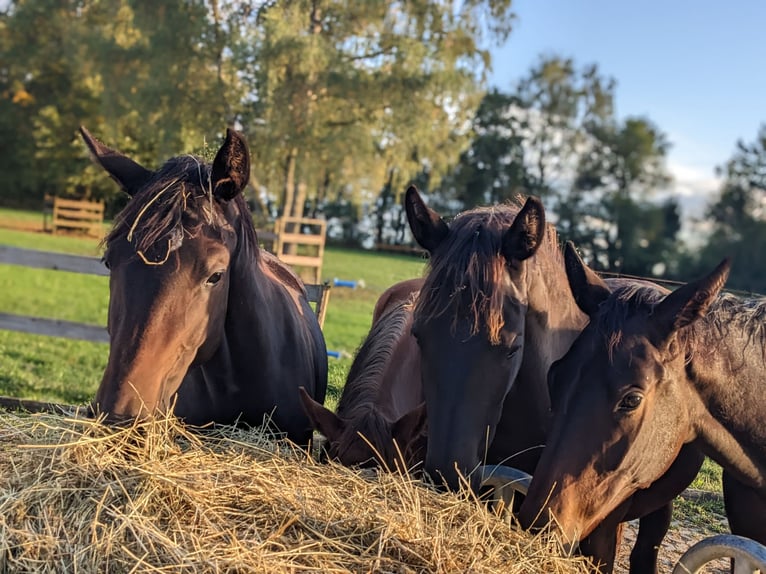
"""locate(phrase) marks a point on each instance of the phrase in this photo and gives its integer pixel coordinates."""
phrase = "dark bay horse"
(380, 416)
(652, 372)
(488, 311)
(493, 315)
(397, 293)
(199, 317)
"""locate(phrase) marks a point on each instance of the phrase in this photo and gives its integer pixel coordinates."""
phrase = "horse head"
(469, 323)
(171, 254)
(389, 443)
(618, 398)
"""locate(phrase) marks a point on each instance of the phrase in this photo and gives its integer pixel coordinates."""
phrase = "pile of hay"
(78, 497)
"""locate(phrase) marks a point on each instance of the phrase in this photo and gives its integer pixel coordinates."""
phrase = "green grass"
(705, 513)
(50, 368)
(21, 218)
(74, 244)
(709, 477)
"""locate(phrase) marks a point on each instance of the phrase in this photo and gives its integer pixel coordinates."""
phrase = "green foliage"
(615, 222)
(363, 93)
(709, 477)
(493, 168)
(145, 77)
(738, 218)
(555, 135)
(335, 96)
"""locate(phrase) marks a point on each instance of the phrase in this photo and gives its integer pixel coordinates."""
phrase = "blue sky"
(696, 68)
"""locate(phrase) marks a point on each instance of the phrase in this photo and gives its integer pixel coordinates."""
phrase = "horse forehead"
(636, 358)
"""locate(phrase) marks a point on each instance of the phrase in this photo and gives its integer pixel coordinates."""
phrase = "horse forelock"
(174, 204)
(469, 270)
(360, 394)
(623, 304)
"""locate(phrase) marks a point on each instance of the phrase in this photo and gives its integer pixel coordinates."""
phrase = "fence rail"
(317, 294)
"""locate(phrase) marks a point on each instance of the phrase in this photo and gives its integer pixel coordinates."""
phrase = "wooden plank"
(315, 291)
(79, 216)
(55, 261)
(302, 238)
(301, 260)
(319, 293)
(71, 223)
(53, 328)
(304, 221)
(97, 206)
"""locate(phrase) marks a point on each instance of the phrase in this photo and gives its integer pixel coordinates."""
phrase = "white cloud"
(693, 186)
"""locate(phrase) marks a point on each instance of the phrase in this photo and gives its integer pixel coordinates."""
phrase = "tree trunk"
(289, 191)
(385, 196)
(300, 200)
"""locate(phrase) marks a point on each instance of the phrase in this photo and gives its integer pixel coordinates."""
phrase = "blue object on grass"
(343, 283)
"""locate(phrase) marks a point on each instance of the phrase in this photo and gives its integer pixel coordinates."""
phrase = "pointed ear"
(231, 167)
(128, 174)
(689, 302)
(410, 426)
(427, 227)
(525, 235)
(322, 418)
(588, 289)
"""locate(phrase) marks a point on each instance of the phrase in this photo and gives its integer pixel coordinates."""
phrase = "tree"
(149, 78)
(609, 214)
(738, 218)
(367, 94)
(556, 136)
(529, 140)
(492, 169)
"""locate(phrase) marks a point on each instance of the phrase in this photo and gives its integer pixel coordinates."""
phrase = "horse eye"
(106, 263)
(630, 402)
(214, 278)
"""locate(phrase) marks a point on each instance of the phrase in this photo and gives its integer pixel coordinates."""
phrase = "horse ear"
(428, 228)
(128, 174)
(588, 289)
(322, 418)
(525, 235)
(689, 302)
(231, 166)
(409, 426)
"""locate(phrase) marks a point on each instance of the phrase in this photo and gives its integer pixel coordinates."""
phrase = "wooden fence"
(300, 243)
(61, 213)
(317, 294)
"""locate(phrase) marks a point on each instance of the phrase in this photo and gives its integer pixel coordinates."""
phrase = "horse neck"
(553, 321)
(727, 370)
(259, 300)
(384, 380)
(553, 318)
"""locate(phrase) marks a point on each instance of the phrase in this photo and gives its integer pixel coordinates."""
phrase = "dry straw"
(159, 497)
